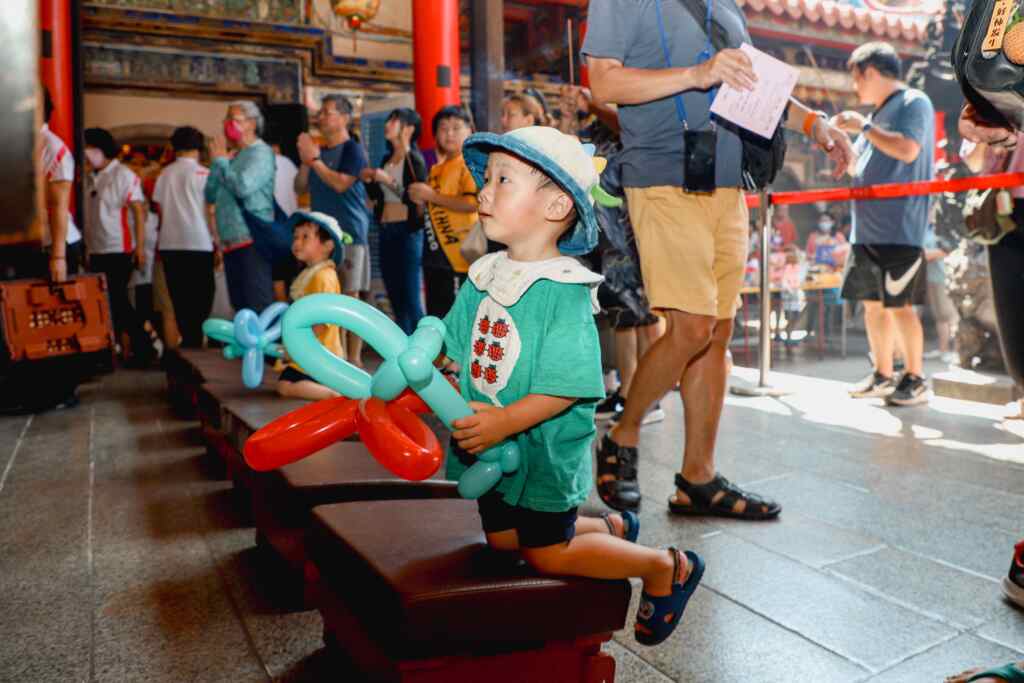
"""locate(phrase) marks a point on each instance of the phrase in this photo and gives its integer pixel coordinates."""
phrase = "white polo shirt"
(58, 166)
(284, 184)
(179, 192)
(109, 228)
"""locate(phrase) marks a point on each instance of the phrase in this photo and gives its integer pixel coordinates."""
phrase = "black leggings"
(1006, 266)
(189, 276)
(118, 269)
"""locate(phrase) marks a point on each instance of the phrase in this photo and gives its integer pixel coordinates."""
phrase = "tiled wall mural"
(280, 80)
(278, 11)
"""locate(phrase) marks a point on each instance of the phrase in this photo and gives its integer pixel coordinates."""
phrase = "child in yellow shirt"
(450, 198)
(318, 243)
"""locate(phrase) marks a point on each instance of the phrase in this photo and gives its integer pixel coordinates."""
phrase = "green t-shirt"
(545, 343)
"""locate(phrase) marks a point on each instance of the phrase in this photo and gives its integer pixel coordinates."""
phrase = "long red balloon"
(399, 440)
(301, 433)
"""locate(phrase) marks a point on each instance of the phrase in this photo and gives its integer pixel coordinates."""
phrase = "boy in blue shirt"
(522, 331)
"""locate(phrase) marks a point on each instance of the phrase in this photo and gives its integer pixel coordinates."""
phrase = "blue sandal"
(630, 525)
(658, 617)
(1009, 673)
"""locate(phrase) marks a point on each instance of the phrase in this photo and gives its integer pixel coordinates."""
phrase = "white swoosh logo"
(896, 287)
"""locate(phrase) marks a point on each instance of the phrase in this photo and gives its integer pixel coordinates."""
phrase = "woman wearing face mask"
(400, 218)
(825, 240)
(244, 182)
(115, 211)
(825, 247)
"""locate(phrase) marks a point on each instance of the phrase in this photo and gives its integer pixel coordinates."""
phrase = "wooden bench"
(409, 592)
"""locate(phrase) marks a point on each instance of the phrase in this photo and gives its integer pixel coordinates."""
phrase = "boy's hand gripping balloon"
(384, 415)
(249, 337)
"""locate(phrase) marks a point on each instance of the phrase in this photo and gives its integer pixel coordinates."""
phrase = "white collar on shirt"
(109, 168)
(300, 283)
(506, 280)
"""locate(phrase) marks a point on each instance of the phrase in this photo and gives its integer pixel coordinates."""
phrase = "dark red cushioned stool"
(283, 500)
(409, 591)
(189, 369)
(223, 433)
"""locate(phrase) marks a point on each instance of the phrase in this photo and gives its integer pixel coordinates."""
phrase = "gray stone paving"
(123, 561)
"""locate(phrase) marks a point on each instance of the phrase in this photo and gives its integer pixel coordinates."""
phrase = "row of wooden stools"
(399, 571)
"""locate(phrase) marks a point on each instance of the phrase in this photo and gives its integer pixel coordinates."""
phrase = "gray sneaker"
(873, 386)
(911, 391)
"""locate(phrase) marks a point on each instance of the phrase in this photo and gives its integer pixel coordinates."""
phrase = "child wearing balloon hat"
(318, 243)
(522, 332)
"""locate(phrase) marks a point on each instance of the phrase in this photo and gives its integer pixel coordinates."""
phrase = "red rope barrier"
(891, 190)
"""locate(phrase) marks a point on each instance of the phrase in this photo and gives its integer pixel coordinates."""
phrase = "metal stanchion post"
(765, 333)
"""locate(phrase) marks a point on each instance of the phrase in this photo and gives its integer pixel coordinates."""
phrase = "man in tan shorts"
(654, 59)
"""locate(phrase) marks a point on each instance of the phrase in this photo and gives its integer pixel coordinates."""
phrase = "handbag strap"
(703, 57)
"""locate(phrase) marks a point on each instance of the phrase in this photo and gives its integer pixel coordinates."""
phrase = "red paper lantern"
(356, 12)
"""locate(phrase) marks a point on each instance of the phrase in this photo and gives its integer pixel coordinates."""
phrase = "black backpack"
(990, 81)
(762, 158)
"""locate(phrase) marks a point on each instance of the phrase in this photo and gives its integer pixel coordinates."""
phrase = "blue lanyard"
(701, 58)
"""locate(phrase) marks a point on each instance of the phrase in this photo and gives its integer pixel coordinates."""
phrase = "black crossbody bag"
(762, 158)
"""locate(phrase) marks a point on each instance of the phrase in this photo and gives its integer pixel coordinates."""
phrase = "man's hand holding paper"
(759, 107)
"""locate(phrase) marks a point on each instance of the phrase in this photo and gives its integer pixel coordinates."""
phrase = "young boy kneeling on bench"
(318, 243)
(523, 333)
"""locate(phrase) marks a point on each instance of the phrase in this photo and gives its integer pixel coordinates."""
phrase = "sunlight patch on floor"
(827, 402)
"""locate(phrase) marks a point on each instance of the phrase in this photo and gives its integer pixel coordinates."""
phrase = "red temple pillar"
(435, 44)
(55, 52)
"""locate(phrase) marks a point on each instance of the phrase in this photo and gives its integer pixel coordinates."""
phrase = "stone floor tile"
(720, 640)
(947, 659)
(960, 599)
(1007, 629)
(865, 629)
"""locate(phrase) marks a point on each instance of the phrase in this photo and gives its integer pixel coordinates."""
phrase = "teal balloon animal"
(408, 363)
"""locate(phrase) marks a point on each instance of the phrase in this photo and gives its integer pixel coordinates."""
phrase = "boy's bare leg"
(353, 343)
(509, 540)
(602, 556)
(305, 389)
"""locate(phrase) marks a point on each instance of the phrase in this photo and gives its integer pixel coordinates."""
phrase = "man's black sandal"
(702, 500)
(622, 492)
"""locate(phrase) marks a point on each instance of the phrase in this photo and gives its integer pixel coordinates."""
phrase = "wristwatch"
(866, 128)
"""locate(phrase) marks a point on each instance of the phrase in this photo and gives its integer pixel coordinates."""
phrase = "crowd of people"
(502, 238)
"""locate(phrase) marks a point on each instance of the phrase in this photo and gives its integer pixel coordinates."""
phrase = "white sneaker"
(934, 354)
(654, 415)
(951, 358)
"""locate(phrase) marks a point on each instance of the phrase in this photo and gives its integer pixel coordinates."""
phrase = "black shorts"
(534, 529)
(894, 274)
(290, 374)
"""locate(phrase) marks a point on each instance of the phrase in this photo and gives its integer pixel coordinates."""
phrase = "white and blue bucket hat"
(328, 223)
(561, 157)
